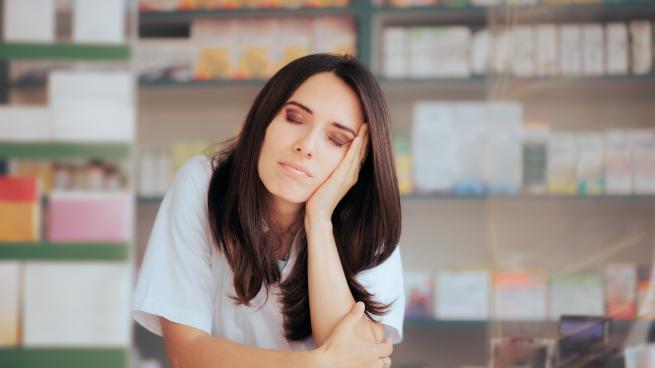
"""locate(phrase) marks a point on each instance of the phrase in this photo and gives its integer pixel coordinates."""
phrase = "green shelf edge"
(65, 51)
(58, 150)
(64, 357)
(64, 251)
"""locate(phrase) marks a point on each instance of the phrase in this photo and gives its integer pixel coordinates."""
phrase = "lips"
(297, 169)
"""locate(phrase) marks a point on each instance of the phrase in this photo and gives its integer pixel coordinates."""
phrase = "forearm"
(329, 295)
(207, 351)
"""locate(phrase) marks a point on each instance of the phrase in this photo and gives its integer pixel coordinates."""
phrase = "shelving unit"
(66, 355)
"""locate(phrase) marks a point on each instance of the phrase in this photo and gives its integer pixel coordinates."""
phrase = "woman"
(259, 254)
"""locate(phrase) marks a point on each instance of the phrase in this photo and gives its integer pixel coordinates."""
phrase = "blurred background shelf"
(64, 357)
(63, 51)
(65, 251)
(61, 150)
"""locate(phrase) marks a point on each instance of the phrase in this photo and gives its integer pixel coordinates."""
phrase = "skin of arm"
(188, 347)
(329, 296)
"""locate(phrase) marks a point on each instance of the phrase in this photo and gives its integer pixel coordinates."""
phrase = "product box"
(593, 40)
(435, 142)
(254, 44)
(645, 296)
(525, 52)
(520, 295)
(472, 126)
(591, 163)
(535, 157)
(576, 294)
(99, 21)
(25, 123)
(503, 149)
(76, 304)
(641, 34)
(462, 295)
(619, 166)
(89, 216)
(418, 291)
(562, 163)
(570, 51)
(9, 308)
(396, 52)
(450, 50)
(335, 34)
(501, 62)
(92, 106)
(547, 50)
(617, 48)
(642, 144)
(29, 21)
(19, 209)
(621, 290)
(420, 54)
(481, 52)
(292, 41)
(218, 52)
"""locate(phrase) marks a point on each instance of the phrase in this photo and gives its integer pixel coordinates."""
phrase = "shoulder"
(193, 177)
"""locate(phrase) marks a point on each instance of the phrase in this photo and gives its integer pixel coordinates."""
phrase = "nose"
(305, 145)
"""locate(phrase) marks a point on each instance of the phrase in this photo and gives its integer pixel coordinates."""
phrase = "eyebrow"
(308, 110)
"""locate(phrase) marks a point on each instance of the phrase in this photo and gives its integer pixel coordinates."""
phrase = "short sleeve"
(176, 280)
(385, 282)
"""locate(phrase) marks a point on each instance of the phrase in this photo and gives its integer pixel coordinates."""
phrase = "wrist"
(313, 220)
(319, 358)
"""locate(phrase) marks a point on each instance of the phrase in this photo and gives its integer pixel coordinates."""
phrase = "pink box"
(90, 216)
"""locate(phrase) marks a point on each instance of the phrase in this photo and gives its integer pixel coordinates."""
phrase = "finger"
(384, 349)
(354, 316)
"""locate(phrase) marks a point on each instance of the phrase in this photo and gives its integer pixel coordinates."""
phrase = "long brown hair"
(366, 222)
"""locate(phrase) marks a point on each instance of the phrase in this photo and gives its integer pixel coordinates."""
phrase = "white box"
(81, 304)
(594, 49)
(481, 52)
(618, 167)
(462, 295)
(449, 57)
(99, 21)
(562, 163)
(642, 43)
(502, 52)
(503, 148)
(642, 143)
(591, 162)
(25, 123)
(396, 52)
(29, 20)
(617, 48)
(547, 46)
(524, 60)
(9, 308)
(570, 37)
(93, 106)
(435, 154)
(420, 46)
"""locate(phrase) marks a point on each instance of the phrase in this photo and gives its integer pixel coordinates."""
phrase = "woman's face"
(312, 132)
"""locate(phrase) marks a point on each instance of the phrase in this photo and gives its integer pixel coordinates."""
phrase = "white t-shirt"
(186, 279)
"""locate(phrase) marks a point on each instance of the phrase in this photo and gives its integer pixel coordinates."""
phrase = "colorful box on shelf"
(89, 216)
(9, 294)
(19, 209)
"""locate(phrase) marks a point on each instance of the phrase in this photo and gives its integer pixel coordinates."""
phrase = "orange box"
(20, 221)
